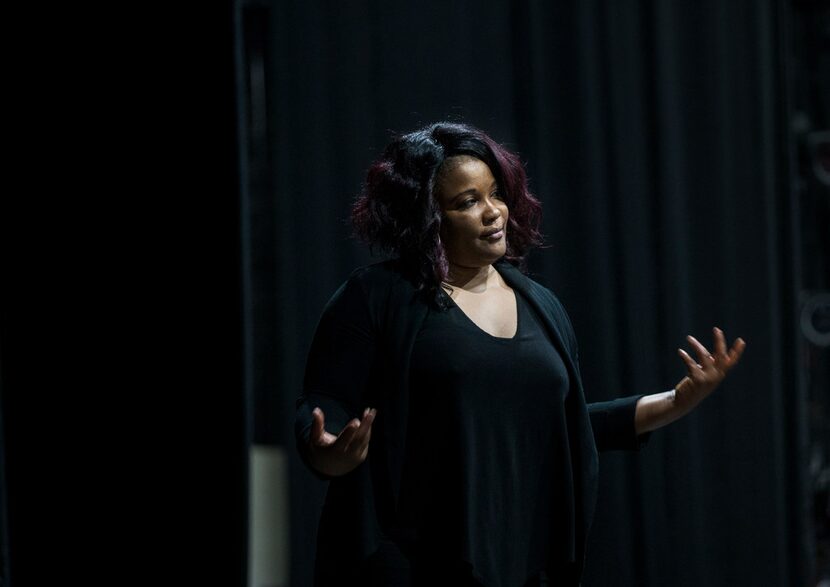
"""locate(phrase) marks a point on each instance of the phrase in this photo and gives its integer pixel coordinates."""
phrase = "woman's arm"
(332, 428)
(656, 410)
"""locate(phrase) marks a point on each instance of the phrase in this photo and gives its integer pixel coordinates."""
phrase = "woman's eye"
(496, 195)
(467, 203)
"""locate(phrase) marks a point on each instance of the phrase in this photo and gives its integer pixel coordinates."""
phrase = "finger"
(364, 432)
(318, 424)
(690, 362)
(704, 357)
(720, 343)
(736, 351)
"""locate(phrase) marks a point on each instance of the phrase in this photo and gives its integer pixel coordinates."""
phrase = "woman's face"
(474, 227)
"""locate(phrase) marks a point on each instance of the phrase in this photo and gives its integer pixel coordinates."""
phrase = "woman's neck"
(472, 279)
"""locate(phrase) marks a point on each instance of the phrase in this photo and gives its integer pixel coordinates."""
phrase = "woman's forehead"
(463, 173)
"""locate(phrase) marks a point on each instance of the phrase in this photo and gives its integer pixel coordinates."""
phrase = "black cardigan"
(359, 358)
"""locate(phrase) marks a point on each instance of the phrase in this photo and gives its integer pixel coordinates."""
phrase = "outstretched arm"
(331, 435)
(656, 410)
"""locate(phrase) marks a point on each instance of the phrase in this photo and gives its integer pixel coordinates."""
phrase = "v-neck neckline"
(468, 319)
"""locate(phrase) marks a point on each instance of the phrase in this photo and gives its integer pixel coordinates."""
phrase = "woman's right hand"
(337, 455)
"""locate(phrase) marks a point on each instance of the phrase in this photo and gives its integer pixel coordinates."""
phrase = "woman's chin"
(494, 252)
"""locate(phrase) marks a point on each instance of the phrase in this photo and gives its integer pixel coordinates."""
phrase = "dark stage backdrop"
(654, 134)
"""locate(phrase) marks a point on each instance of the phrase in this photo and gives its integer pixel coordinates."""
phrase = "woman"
(442, 395)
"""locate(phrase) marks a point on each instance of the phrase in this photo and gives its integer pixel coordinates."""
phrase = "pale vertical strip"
(268, 538)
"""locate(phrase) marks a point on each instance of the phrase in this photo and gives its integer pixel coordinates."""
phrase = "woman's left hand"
(656, 410)
(705, 374)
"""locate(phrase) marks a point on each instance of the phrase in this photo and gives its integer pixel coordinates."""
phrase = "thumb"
(318, 425)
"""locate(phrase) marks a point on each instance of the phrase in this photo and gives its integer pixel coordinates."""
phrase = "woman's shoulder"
(376, 295)
(374, 284)
(380, 274)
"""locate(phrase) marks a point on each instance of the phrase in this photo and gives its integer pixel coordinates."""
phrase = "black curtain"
(655, 134)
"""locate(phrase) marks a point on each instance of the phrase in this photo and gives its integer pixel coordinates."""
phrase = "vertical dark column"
(807, 131)
(4, 531)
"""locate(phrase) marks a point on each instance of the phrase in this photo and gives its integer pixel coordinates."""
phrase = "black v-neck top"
(362, 355)
(488, 460)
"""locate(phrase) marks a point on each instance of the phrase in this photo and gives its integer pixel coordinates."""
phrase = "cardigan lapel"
(517, 280)
(585, 463)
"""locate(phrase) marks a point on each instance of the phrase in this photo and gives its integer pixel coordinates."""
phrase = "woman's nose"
(491, 211)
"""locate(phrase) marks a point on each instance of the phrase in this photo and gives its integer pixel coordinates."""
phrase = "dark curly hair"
(397, 210)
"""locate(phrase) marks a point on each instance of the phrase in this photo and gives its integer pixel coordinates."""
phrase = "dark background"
(674, 147)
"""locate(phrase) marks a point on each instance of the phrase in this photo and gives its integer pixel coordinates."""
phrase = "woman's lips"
(494, 236)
